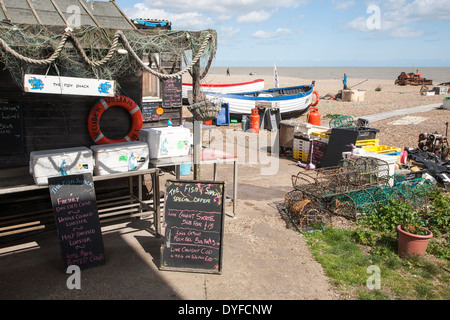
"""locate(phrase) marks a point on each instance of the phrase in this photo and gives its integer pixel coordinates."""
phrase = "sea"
(438, 75)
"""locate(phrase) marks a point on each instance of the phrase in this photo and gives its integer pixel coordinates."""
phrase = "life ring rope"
(117, 101)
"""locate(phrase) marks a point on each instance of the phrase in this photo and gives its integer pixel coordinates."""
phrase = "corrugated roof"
(65, 12)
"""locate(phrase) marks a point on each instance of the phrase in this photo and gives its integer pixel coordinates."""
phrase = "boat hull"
(291, 101)
(225, 88)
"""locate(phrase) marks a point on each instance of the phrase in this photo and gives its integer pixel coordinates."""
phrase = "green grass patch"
(347, 263)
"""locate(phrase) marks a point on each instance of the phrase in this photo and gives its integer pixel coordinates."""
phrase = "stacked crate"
(302, 143)
(302, 147)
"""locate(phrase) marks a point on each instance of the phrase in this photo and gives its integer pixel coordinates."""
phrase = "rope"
(47, 61)
(118, 35)
(158, 74)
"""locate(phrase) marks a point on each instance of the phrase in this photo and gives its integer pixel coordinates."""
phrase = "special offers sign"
(68, 85)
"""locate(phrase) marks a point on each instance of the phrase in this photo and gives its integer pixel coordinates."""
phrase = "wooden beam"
(89, 13)
(59, 12)
(197, 134)
(2, 4)
(34, 13)
(123, 14)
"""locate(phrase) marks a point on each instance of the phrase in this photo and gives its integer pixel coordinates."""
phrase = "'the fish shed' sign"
(68, 85)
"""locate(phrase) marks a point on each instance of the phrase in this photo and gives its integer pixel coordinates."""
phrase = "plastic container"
(223, 118)
(353, 95)
(185, 169)
(302, 156)
(306, 129)
(368, 143)
(323, 136)
(365, 133)
(301, 144)
(120, 157)
(167, 142)
(60, 162)
(382, 149)
(446, 103)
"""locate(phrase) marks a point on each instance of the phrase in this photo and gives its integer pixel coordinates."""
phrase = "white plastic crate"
(120, 157)
(167, 142)
(306, 129)
(60, 162)
(302, 145)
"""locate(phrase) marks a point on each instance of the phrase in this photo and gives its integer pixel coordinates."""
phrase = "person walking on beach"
(345, 81)
(228, 71)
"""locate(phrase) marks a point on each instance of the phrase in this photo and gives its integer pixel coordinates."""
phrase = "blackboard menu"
(319, 148)
(152, 110)
(172, 93)
(194, 217)
(11, 130)
(76, 216)
(341, 140)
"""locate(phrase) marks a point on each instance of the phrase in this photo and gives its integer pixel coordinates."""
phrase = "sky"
(313, 33)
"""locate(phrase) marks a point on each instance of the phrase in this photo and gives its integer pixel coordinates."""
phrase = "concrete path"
(263, 259)
(401, 112)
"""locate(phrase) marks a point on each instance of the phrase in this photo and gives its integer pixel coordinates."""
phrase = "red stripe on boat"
(225, 85)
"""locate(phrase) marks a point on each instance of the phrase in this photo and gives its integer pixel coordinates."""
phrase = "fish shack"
(79, 83)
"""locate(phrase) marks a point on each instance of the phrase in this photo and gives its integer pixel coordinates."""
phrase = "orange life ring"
(317, 99)
(117, 101)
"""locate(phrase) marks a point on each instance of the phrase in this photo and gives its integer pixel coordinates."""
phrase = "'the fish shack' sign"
(68, 85)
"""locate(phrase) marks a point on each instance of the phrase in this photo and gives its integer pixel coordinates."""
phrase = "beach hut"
(86, 41)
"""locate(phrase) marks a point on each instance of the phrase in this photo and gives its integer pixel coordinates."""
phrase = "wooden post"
(197, 134)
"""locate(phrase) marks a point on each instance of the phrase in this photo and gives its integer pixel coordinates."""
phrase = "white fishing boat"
(291, 100)
(225, 88)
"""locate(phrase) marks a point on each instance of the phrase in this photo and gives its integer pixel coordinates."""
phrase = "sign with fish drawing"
(35, 83)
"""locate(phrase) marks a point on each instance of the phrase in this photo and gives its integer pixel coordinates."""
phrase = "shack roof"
(62, 13)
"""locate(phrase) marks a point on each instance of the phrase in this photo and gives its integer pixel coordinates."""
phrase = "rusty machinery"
(413, 79)
(435, 143)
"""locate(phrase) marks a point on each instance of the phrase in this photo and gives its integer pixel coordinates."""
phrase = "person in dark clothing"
(228, 71)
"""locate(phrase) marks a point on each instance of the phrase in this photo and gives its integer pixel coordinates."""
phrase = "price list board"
(194, 217)
(172, 93)
(77, 221)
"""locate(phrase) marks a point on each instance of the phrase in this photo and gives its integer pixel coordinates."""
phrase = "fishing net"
(95, 52)
(342, 122)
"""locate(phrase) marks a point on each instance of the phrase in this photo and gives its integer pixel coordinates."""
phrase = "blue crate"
(223, 118)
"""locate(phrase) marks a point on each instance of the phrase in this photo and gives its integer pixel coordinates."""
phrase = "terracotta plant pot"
(412, 244)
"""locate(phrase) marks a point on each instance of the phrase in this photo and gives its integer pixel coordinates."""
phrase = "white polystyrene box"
(60, 162)
(120, 157)
(167, 142)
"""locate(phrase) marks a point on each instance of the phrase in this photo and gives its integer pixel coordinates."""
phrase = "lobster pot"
(120, 157)
(167, 142)
(60, 162)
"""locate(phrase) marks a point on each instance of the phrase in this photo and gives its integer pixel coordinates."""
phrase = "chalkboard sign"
(194, 217)
(152, 110)
(172, 93)
(76, 216)
(341, 140)
(11, 129)
(318, 153)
